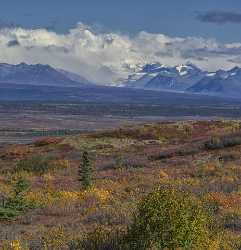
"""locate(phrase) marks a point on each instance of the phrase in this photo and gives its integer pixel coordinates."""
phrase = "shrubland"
(171, 185)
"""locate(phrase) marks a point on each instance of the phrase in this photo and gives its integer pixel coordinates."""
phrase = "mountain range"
(39, 74)
(186, 78)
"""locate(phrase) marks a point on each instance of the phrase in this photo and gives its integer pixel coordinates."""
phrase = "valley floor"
(24, 122)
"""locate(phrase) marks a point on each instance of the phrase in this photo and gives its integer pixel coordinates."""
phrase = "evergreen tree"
(17, 201)
(85, 171)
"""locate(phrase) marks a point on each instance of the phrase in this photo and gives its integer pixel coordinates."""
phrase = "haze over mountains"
(157, 77)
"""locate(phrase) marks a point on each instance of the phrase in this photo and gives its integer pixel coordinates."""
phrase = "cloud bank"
(107, 57)
(220, 17)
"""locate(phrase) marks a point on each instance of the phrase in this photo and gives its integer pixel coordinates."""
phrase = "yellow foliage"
(177, 182)
(55, 238)
(101, 194)
(12, 245)
(48, 182)
(45, 198)
(163, 174)
(5, 189)
(20, 174)
(214, 245)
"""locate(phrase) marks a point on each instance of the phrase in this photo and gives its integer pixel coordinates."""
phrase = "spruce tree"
(85, 171)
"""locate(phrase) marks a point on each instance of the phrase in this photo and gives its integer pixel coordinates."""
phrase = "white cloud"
(106, 57)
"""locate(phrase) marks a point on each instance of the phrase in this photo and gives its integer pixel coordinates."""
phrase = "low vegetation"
(172, 185)
(15, 204)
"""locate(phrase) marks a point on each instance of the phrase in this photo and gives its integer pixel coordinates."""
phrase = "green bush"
(38, 164)
(223, 142)
(214, 143)
(16, 204)
(169, 219)
(8, 213)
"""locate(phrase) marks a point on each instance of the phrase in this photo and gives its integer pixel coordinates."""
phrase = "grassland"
(198, 157)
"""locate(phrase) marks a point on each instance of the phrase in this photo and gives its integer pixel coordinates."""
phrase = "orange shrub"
(47, 141)
(16, 151)
(229, 201)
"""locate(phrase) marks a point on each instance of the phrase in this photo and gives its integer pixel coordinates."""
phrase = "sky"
(106, 40)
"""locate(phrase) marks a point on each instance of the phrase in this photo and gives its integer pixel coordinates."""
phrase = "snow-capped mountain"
(37, 74)
(187, 78)
(160, 77)
(224, 83)
(140, 78)
(156, 76)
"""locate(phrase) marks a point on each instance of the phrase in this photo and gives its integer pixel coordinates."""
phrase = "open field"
(201, 157)
(25, 121)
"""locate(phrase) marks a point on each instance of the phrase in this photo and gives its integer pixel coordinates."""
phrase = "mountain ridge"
(38, 74)
(186, 78)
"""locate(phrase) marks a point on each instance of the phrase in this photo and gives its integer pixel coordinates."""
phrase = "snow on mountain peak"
(185, 69)
(159, 76)
(182, 70)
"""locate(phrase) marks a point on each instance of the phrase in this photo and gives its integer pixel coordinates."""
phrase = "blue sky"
(171, 17)
(107, 40)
